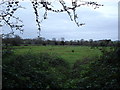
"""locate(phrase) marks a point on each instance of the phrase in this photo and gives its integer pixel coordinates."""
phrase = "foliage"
(45, 70)
(7, 50)
(12, 41)
(104, 72)
(34, 71)
(17, 40)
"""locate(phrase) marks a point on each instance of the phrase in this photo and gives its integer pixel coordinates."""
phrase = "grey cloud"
(59, 25)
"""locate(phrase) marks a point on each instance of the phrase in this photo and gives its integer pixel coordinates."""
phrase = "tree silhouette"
(9, 7)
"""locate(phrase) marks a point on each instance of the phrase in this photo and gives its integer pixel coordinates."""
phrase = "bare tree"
(9, 7)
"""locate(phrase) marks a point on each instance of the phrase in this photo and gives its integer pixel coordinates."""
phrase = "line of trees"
(17, 41)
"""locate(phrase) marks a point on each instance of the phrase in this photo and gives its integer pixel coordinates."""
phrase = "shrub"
(104, 72)
(6, 51)
(33, 71)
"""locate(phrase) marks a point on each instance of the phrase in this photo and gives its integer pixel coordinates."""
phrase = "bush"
(45, 70)
(104, 73)
(33, 71)
(7, 51)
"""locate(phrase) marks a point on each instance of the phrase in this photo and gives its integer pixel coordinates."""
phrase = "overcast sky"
(101, 23)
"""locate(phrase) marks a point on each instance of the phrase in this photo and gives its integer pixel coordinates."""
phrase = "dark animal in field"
(72, 50)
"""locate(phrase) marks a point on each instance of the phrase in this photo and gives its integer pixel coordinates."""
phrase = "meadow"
(68, 53)
(61, 67)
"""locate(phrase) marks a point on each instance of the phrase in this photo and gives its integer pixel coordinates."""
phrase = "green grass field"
(59, 66)
(80, 52)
